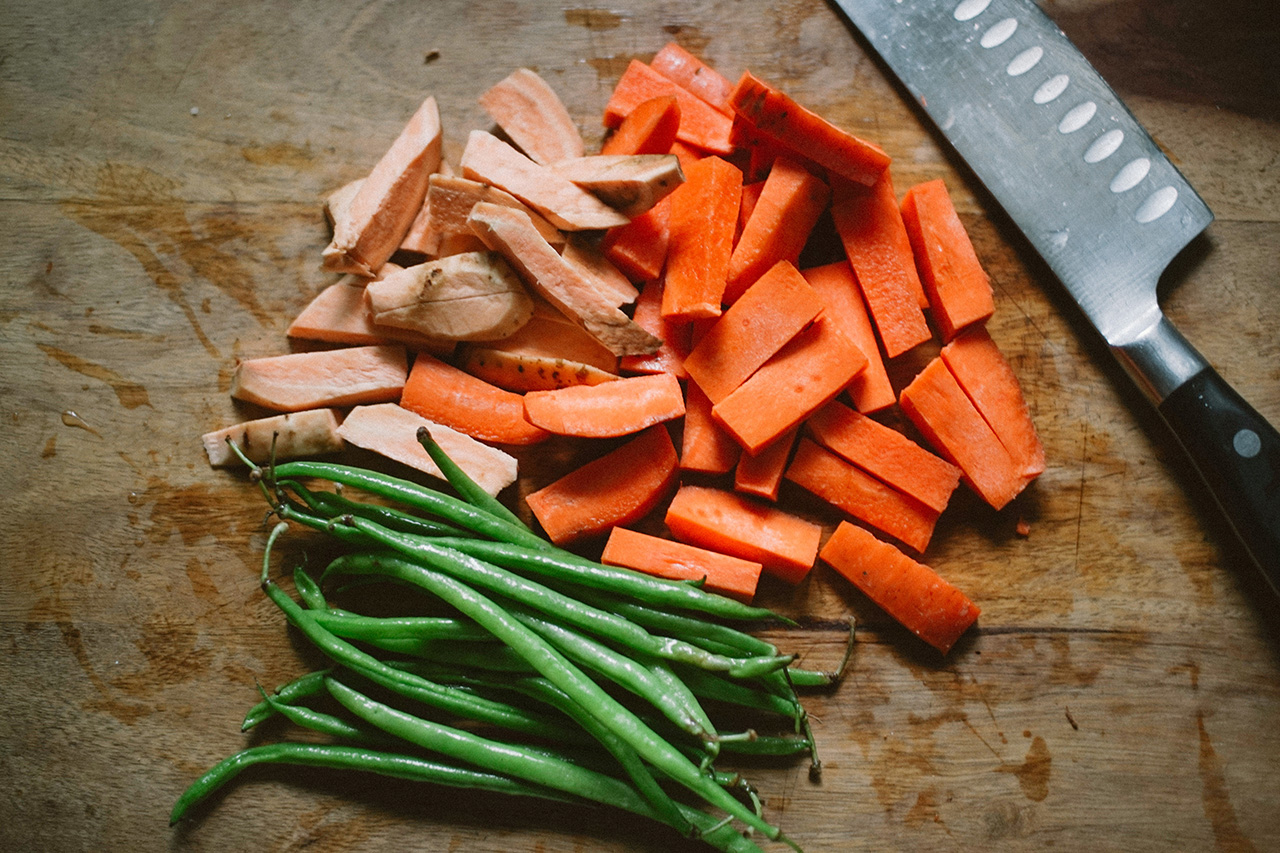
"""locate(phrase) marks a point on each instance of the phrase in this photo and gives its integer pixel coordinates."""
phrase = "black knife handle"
(1237, 454)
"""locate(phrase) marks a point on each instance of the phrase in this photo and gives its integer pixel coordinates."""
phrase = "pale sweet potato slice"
(587, 256)
(392, 431)
(381, 211)
(474, 296)
(293, 435)
(338, 202)
(530, 112)
(559, 282)
(521, 373)
(489, 160)
(421, 239)
(548, 338)
(311, 380)
(339, 314)
(449, 201)
(629, 183)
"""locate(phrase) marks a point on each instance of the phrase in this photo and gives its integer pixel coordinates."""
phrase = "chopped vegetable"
(910, 592)
(609, 281)
(683, 68)
(701, 225)
(664, 558)
(705, 446)
(676, 336)
(289, 436)
(312, 380)
(784, 544)
(650, 128)
(629, 183)
(616, 489)
(340, 314)
(443, 394)
(835, 282)
(532, 114)
(761, 474)
(449, 202)
(606, 410)
(701, 125)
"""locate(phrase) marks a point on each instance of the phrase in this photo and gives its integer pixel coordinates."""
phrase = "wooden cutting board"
(161, 171)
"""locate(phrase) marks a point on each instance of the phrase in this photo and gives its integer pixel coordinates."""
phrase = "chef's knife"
(1095, 196)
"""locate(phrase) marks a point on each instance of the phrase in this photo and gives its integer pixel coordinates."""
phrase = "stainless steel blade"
(1099, 201)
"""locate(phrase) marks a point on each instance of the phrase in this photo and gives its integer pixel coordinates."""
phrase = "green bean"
(308, 590)
(353, 626)
(310, 718)
(332, 504)
(290, 692)
(410, 494)
(488, 656)
(567, 677)
(436, 695)
(564, 565)
(354, 758)
(711, 686)
(462, 483)
(721, 639)
(532, 593)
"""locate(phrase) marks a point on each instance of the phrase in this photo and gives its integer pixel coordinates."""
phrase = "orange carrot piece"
(619, 488)
(705, 446)
(676, 341)
(777, 117)
(858, 494)
(940, 409)
(871, 390)
(781, 220)
(784, 544)
(650, 128)
(446, 395)
(392, 431)
(683, 68)
(770, 313)
(801, 378)
(910, 592)
(875, 242)
(608, 410)
(639, 248)
(989, 381)
(314, 380)
(885, 453)
(666, 558)
(701, 125)
(957, 286)
(750, 196)
(703, 217)
(761, 474)
(534, 117)
(382, 209)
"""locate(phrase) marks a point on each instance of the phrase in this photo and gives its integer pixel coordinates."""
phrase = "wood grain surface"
(161, 171)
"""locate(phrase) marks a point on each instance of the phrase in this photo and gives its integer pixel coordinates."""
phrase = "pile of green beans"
(524, 668)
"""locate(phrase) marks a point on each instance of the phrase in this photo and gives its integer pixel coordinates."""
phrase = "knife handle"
(1237, 454)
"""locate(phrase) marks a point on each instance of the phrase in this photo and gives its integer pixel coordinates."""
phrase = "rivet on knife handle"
(1095, 196)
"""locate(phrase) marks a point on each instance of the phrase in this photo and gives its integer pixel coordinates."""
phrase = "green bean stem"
(299, 688)
(462, 483)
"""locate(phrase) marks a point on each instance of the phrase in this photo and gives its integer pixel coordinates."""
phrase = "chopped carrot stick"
(769, 314)
(703, 217)
(871, 390)
(986, 377)
(875, 242)
(565, 285)
(777, 117)
(676, 342)
(761, 474)
(705, 446)
(802, 377)
(665, 558)
(784, 544)
(619, 488)
(957, 286)
(781, 220)
(650, 128)
(607, 410)
(392, 431)
(885, 453)
(940, 409)
(639, 248)
(446, 395)
(750, 196)
(534, 117)
(910, 592)
(314, 380)
(489, 160)
(701, 125)
(382, 209)
(682, 67)
(858, 494)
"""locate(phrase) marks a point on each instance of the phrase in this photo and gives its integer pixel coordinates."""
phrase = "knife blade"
(1097, 199)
